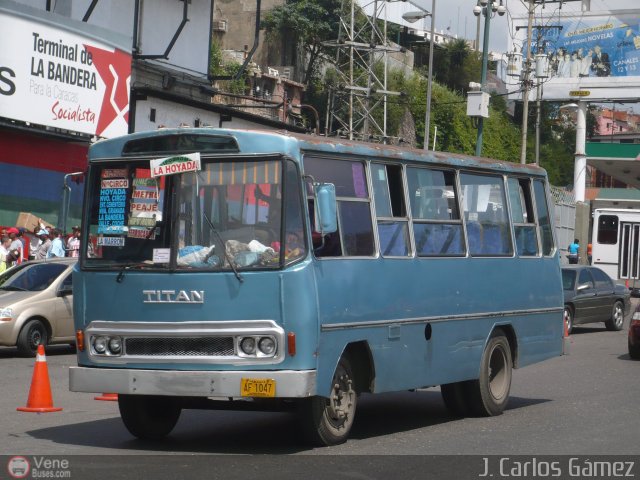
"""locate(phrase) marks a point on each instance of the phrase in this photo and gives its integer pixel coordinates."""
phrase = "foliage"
(455, 65)
(305, 24)
(220, 68)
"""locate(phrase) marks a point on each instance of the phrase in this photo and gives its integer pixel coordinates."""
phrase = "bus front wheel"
(328, 421)
(489, 394)
(149, 417)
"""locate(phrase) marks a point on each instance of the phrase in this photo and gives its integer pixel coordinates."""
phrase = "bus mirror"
(325, 200)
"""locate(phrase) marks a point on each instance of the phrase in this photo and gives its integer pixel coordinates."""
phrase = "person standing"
(73, 245)
(5, 242)
(57, 245)
(574, 248)
(45, 244)
(16, 248)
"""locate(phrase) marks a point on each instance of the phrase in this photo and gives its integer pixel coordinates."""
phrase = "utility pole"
(525, 93)
(526, 83)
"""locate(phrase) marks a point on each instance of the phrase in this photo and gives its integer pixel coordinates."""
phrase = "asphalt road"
(582, 404)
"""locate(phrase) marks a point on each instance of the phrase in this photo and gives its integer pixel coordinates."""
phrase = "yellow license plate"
(258, 387)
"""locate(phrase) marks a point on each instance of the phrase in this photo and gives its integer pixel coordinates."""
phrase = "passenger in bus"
(574, 248)
(293, 247)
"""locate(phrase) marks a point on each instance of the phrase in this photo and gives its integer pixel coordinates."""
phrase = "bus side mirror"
(325, 200)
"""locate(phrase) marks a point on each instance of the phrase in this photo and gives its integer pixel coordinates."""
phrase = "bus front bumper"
(288, 383)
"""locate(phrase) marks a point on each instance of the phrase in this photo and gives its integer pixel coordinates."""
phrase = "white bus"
(616, 242)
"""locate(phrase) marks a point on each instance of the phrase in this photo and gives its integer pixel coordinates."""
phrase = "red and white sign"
(58, 78)
(175, 165)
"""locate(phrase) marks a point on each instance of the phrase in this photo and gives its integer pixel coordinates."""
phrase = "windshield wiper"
(145, 241)
(224, 248)
(13, 288)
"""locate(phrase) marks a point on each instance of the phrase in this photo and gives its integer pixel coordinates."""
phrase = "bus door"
(628, 268)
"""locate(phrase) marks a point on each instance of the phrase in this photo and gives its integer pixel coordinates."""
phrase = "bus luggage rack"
(180, 347)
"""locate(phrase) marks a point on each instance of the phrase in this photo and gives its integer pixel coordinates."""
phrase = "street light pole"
(427, 119)
(483, 75)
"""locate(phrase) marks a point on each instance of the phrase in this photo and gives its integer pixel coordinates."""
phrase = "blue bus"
(270, 270)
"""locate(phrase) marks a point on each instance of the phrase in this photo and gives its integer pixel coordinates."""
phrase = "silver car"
(36, 304)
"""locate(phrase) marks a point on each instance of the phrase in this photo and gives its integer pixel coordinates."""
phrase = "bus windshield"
(227, 215)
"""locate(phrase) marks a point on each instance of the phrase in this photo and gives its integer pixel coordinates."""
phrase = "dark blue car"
(591, 296)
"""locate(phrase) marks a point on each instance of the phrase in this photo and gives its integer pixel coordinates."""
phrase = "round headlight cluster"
(106, 345)
(258, 346)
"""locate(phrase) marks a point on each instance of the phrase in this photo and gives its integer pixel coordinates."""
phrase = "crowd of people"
(16, 247)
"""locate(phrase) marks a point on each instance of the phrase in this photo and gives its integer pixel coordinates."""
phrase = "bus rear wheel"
(149, 417)
(328, 421)
(489, 394)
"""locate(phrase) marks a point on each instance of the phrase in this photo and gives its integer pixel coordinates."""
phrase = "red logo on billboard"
(114, 67)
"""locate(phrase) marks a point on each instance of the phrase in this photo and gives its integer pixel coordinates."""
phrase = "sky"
(456, 16)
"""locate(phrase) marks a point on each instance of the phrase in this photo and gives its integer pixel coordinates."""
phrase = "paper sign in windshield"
(175, 165)
(110, 241)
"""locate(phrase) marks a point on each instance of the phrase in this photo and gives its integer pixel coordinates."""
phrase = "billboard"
(57, 76)
(591, 55)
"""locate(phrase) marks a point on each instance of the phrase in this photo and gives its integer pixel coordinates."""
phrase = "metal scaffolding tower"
(357, 100)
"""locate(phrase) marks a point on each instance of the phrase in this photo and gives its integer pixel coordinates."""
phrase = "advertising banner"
(52, 76)
(588, 54)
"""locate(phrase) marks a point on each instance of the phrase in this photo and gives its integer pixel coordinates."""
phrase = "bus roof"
(263, 141)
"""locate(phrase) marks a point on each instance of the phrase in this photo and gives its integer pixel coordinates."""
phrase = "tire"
(568, 318)
(149, 417)
(617, 317)
(634, 351)
(489, 394)
(33, 333)
(328, 421)
(454, 396)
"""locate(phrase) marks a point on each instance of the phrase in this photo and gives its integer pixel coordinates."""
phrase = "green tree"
(305, 24)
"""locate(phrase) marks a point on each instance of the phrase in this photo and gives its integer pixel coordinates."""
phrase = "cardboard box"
(29, 221)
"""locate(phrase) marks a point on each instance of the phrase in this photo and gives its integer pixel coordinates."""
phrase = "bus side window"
(393, 228)
(437, 226)
(354, 236)
(484, 202)
(522, 215)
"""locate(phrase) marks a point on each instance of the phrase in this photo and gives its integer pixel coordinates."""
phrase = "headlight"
(248, 345)
(267, 345)
(100, 344)
(6, 314)
(115, 345)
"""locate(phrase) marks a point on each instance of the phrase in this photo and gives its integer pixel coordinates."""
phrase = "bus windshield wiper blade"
(224, 249)
(132, 266)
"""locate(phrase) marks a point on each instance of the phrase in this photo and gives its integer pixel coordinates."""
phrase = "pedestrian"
(574, 248)
(5, 243)
(45, 244)
(589, 250)
(57, 245)
(73, 244)
(26, 244)
(17, 247)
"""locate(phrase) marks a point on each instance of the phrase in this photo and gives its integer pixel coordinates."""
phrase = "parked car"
(590, 295)
(634, 335)
(36, 304)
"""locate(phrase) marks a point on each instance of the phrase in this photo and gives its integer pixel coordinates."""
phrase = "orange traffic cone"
(40, 399)
(107, 397)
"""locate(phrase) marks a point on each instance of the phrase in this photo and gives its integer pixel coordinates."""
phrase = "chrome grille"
(180, 346)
